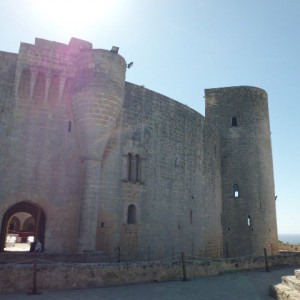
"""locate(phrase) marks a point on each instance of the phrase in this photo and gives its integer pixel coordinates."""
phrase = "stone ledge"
(297, 274)
(292, 282)
(284, 292)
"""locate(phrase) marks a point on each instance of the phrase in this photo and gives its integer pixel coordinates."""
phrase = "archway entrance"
(20, 224)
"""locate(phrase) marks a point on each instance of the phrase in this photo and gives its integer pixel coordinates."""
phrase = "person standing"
(38, 246)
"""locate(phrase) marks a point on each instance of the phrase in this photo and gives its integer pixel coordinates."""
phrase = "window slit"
(131, 214)
(249, 221)
(234, 121)
(235, 191)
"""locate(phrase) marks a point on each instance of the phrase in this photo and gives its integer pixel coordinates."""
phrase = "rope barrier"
(29, 276)
(157, 261)
(173, 258)
(224, 258)
(19, 262)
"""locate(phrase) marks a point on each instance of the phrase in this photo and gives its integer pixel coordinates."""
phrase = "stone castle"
(90, 162)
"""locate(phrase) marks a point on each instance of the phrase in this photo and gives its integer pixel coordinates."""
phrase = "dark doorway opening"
(20, 224)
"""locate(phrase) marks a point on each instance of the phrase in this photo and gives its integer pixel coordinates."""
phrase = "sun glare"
(73, 15)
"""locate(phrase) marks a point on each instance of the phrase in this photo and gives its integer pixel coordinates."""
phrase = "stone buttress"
(97, 101)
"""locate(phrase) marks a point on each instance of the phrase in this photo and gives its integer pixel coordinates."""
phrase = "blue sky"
(179, 48)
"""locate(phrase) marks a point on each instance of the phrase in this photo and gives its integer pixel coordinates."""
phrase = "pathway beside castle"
(249, 285)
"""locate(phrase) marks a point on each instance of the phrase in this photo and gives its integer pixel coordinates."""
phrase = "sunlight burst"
(74, 15)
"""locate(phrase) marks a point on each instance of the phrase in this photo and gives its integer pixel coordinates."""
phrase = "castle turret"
(249, 216)
(97, 100)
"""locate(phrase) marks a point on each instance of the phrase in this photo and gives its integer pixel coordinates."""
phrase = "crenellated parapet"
(47, 62)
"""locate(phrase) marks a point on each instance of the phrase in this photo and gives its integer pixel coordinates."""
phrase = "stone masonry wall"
(249, 220)
(68, 133)
(8, 62)
(179, 172)
(42, 164)
(61, 276)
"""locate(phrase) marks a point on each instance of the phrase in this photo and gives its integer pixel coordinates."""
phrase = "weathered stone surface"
(79, 272)
(110, 166)
(289, 288)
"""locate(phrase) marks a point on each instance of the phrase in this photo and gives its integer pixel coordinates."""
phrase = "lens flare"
(73, 15)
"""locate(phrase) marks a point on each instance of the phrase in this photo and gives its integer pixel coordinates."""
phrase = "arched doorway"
(23, 219)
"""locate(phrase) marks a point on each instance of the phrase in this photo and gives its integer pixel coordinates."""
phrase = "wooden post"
(119, 254)
(184, 278)
(226, 250)
(34, 287)
(37, 225)
(173, 253)
(266, 260)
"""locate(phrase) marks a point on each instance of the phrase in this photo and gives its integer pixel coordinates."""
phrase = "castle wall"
(179, 172)
(42, 164)
(118, 168)
(249, 216)
(8, 62)
(97, 101)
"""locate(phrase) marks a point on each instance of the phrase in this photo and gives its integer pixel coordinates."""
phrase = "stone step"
(284, 292)
(297, 274)
(292, 282)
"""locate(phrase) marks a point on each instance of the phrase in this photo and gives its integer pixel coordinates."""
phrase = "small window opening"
(102, 224)
(70, 126)
(137, 168)
(191, 216)
(249, 221)
(129, 166)
(133, 167)
(131, 215)
(234, 121)
(228, 228)
(235, 191)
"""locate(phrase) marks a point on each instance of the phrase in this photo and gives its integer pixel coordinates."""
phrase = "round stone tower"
(248, 213)
(97, 100)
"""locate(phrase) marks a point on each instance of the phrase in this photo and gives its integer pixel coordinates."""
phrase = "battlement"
(47, 55)
(47, 60)
(75, 44)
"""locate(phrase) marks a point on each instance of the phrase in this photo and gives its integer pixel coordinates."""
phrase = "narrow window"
(235, 191)
(70, 126)
(249, 221)
(137, 168)
(129, 165)
(191, 216)
(234, 121)
(131, 214)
